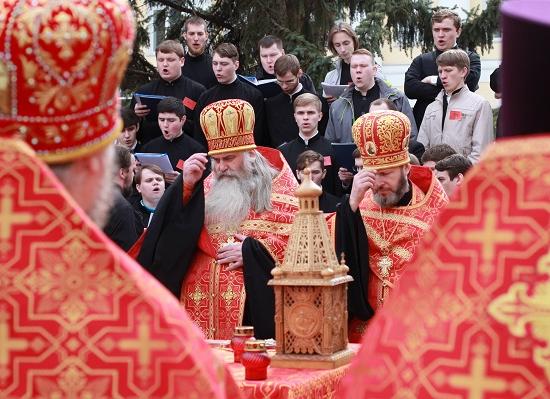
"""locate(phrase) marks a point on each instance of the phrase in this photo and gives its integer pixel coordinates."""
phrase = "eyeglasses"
(287, 82)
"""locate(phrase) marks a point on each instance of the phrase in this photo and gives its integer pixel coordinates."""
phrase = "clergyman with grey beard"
(219, 231)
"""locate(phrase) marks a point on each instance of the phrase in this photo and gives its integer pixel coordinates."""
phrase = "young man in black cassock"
(225, 63)
(271, 49)
(198, 63)
(316, 164)
(172, 83)
(173, 142)
(307, 114)
(280, 122)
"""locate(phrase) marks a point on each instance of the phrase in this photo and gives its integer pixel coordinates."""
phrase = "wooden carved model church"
(310, 287)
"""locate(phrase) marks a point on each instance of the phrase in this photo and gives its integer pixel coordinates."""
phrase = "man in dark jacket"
(421, 79)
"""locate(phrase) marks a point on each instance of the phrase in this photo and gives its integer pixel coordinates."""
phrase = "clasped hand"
(232, 254)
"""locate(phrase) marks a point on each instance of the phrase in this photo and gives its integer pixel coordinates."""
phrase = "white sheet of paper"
(161, 160)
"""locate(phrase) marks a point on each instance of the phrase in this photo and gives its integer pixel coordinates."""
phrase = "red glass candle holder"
(255, 360)
(240, 336)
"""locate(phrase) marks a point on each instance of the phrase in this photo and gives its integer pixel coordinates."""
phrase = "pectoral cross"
(384, 265)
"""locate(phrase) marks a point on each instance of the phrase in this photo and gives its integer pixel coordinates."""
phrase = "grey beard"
(228, 202)
(233, 195)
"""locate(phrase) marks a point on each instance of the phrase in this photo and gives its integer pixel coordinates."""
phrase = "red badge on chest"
(327, 161)
(189, 103)
(455, 115)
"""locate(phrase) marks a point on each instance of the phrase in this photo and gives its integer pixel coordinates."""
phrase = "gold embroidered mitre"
(382, 138)
(60, 67)
(228, 126)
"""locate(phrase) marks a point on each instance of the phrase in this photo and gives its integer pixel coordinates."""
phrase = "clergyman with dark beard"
(215, 236)
(392, 203)
(124, 225)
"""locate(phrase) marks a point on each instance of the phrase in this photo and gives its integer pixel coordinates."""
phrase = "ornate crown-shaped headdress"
(228, 126)
(61, 63)
(382, 138)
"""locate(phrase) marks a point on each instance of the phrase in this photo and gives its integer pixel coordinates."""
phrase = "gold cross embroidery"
(197, 295)
(490, 235)
(143, 344)
(477, 382)
(8, 217)
(229, 295)
(8, 344)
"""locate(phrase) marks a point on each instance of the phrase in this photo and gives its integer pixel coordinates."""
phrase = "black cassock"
(351, 240)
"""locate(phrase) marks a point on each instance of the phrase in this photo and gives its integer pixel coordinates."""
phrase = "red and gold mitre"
(61, 63)
(228, 126)
(382, 138)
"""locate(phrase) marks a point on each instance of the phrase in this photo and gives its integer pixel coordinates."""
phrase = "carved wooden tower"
(311, 316)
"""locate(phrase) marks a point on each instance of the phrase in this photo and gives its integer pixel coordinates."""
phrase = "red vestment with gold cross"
(78, 317)
(393, 235)
(470, 320)
(214, 297)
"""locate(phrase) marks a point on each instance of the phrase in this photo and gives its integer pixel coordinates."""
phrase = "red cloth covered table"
(283, 383)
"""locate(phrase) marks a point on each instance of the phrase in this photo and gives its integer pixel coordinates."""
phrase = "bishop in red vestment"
(78, 317)
(471, 318)
(216, 236)
(391, 206)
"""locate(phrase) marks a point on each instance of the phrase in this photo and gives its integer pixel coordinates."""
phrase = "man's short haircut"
(454, 58)
(171, 105)
(129, 117)
(123, 158)
(287, 63)
(454, 164)
(356, 154)
(345, 28)
(194, 20)
(306, 158)
(153, 168)
(307, 99)
(444, 13)
(364, 51)
(270, 40)
(437, 153)
(170, 46)
(227, 50)
(389, 103)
